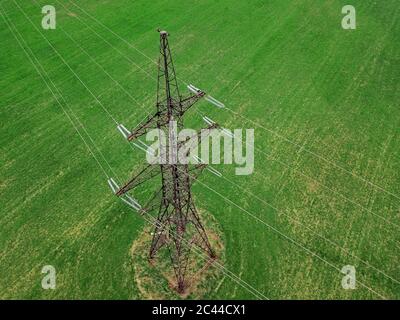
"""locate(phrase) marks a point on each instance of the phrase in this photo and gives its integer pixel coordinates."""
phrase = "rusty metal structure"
(178, 226)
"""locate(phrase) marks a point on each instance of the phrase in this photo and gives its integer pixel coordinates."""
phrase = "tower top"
(163, 33)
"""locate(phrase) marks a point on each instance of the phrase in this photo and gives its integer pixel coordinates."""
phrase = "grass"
(286, 66)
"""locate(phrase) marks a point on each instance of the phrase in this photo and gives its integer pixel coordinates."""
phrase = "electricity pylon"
(178, 226)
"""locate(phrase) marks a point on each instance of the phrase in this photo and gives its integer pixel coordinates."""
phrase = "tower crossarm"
(149, 172)
(198, 136)
(195, 171)
(152, 122)
(186, 103)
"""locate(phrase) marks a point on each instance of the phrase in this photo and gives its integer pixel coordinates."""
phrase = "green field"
(324, 103)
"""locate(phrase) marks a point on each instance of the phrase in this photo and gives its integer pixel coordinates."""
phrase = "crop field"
(323, 102)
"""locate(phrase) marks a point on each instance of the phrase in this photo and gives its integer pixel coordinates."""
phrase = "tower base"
(155, 278)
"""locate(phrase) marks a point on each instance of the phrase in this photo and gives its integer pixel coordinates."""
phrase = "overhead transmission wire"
(328, 240)
(294, 241)
(316, 181)
(258, 149)
(227, 272)
(250, 120)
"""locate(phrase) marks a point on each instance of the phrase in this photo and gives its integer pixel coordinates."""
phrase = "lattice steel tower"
(178, 226)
